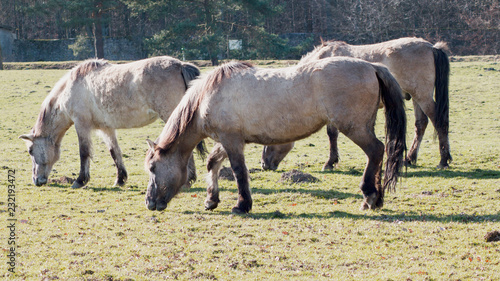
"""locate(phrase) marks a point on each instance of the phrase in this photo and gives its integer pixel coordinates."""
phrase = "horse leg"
(85, 144)
(444, 149)
(236, 157)
(371, 187)
(109, 136)
(429, 108)
(214, 163)
(421, 122)
(333, 134)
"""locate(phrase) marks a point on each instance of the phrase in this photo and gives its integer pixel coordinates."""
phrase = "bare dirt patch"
(492, 236)
(62, 180)
(296, 176)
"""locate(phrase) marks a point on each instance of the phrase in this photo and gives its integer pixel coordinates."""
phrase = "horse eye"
(152, 168)
(30, 151)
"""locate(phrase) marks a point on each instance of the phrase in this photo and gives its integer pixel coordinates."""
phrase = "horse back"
(270, 106)
(410, 60)
(128, 95)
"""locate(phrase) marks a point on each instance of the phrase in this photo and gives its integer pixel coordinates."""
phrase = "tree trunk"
(210, 30)
(97, 30)
(98, 40)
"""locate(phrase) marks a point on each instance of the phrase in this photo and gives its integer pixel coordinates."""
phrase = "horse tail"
(442, 77)
(395, 126)
(189, 72)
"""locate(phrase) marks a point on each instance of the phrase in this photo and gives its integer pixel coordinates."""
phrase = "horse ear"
(151, 144)
(27, 137)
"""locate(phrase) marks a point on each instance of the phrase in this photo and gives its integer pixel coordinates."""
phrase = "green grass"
(432, 228)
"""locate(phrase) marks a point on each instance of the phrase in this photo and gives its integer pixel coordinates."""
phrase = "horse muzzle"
(153, 201)
(39, 181)
(268, 165)
(155, 205)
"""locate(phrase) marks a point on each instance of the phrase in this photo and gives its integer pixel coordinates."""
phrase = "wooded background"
(278, 29)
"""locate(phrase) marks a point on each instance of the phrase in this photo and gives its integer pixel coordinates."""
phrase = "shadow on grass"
(318, 193)
(454, 173)
(371, 215)
(67, 187)
(425, 172)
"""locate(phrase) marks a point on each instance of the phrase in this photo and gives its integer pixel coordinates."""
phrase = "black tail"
(189, 73)
(395, 126)
(442, 66)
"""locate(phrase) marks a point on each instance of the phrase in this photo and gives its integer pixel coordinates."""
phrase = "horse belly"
(268, 121)
(129, 118)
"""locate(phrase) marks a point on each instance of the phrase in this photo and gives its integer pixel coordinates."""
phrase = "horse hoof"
(239, 211)
(410, 163)
(370, 202)
(210, 205)
(77, 184)
(119, 183)
(364, 207)
(442, 166)
(327, 167)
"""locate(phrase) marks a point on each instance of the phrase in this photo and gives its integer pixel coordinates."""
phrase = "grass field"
(432, 228)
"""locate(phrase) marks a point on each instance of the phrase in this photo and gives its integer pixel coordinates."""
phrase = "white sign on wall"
(235, 44)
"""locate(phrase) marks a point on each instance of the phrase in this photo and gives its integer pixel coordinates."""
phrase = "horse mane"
(318, 48)
(222, 72)
(48, 106)
(185, 111)
(332, 42)
(87, 66)
(43, 116)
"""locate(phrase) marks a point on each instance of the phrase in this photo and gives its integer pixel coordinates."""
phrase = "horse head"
(272, 155)
(167, 174)
(44, 152)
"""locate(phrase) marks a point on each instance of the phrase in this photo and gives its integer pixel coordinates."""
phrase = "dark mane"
(87, 66)
(184, 113)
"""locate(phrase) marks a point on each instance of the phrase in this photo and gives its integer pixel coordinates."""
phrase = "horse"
(420, 69)
(98, 95)
(238, 103)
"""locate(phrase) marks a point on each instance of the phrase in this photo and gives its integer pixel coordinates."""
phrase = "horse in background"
(420, 69)
(237, 103)
(98, 95)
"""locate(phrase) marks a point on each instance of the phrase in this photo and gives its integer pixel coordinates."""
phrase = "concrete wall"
(7, 38)
(58, 50)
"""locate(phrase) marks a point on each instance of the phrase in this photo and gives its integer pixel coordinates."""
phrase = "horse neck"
(52, 123)
(187, 141)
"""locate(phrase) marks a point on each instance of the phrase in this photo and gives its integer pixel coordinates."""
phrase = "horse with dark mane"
(237, 104)
(420, 69)
(98, 95)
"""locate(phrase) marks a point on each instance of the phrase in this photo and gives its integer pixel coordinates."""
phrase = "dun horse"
(103, 96)
(420, 69)
(237, 104)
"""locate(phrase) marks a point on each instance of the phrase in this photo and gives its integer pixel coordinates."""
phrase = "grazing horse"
(99, 95)
(420, 69)
(237, 104)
